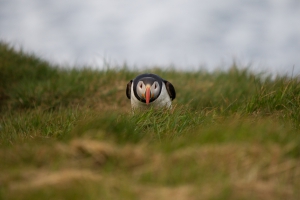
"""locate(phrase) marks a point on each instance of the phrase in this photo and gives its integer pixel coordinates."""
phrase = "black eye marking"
(155, 86)
(141, 86)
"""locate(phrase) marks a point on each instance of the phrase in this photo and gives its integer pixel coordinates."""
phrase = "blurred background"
(188, 35)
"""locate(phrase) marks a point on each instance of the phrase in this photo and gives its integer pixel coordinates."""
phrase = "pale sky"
(185, 33)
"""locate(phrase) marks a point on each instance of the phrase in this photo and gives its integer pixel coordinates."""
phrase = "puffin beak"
(147, 94)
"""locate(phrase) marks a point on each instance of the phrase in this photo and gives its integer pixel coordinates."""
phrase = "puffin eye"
(141, 86)
(155, 86)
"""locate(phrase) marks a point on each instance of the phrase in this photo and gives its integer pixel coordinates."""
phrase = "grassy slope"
(69, 134)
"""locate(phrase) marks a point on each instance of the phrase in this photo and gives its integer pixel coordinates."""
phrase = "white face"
(154, 90)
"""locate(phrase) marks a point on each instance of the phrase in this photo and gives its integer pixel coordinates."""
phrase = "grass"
(70, 134)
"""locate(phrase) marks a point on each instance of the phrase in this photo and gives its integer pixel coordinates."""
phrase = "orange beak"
(147, 95)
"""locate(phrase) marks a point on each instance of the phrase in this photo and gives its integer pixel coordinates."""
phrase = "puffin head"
(147, 88)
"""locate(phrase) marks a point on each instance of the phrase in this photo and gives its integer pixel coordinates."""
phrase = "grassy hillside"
(70, 134)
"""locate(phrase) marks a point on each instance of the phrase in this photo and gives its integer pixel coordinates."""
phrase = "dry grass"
(246, 171)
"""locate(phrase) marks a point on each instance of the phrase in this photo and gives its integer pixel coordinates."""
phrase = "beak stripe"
(147, 95)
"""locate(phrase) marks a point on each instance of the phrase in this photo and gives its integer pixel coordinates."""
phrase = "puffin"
(150, 90)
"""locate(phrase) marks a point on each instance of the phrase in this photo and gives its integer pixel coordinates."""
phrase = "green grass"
(70, 134)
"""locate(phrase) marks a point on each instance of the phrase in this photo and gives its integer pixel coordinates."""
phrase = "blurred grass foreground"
(70, 134)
